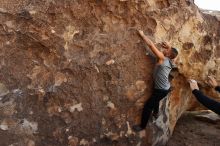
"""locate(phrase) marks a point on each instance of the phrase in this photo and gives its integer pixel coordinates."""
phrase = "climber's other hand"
(193, 84)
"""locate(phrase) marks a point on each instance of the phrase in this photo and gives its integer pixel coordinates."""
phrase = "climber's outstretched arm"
(153, 48)
(206, 101)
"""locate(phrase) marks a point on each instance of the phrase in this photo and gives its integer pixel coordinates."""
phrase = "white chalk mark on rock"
(4, 127)
(110, 105)
(83, 142)
(97, 69)
(110, 62)
(77, 107)
(129, 132)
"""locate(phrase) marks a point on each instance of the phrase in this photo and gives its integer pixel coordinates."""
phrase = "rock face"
(74, 72)
(196, 128)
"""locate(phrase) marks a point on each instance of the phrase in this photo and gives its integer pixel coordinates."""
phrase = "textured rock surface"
(74, 72)
(196, 128)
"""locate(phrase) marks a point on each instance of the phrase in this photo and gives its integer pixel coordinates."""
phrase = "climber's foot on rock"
(137, 128)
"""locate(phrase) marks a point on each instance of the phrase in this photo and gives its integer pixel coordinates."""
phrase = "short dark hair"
(174, 52)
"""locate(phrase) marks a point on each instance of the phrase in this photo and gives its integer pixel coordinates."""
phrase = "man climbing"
(204, 100)
(161, 81)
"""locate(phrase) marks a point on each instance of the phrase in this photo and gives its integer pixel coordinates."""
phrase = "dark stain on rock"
(188, 45)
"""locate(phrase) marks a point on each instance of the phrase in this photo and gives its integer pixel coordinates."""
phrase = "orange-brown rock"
(74, 72)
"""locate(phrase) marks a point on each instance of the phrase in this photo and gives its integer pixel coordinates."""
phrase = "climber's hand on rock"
(166, 45)
(141, 33)
(212, 81)
(193, 84)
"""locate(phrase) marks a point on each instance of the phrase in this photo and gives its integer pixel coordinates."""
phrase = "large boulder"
(74, 72)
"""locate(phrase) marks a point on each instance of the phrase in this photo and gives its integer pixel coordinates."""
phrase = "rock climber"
(204, 100)
(161, 88)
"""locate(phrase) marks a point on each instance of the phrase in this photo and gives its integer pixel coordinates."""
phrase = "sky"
(208, 4)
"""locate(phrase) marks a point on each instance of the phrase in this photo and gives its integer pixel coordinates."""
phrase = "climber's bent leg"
(152, 103)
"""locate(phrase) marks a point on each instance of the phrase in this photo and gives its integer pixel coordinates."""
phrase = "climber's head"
(170, 53)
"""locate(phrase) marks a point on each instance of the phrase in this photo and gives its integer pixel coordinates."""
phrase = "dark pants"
(152, 105)
(207, 102)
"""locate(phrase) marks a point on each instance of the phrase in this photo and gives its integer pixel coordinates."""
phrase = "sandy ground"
(194, 131)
